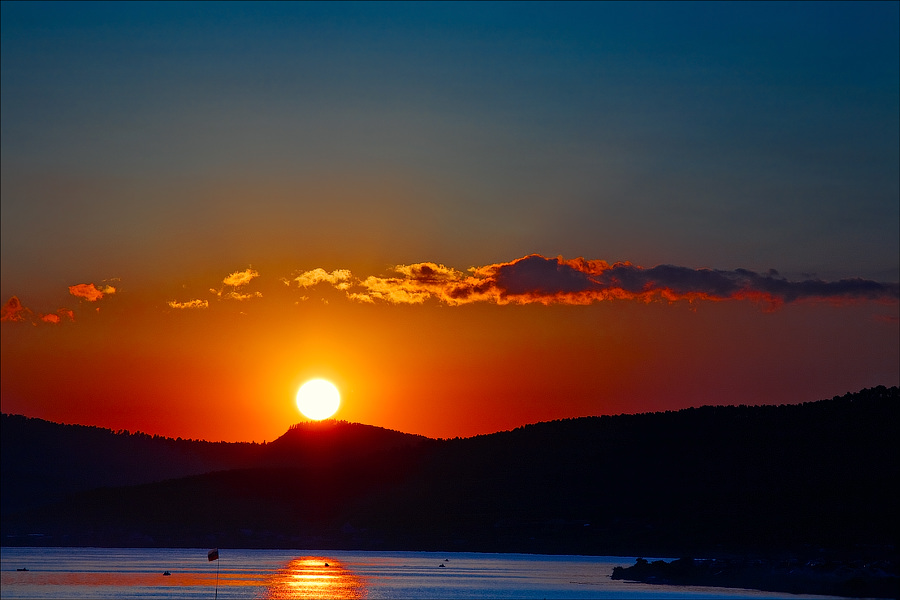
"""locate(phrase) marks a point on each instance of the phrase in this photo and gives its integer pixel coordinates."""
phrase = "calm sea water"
(138, 573)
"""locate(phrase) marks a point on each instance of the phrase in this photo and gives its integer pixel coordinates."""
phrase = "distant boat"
(166, 573)
(22, 569)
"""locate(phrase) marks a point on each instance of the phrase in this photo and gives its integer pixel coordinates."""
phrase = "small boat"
(22, 569)
(166, 573)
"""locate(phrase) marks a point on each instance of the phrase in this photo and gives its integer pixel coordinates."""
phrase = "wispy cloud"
(90, 292)
(240, 278)
(235, 295)
(15, 312)
(341, 278)
(63, 314)
(539, 279)
(532, 279)
(417, 283)
(236, 281)
(190, 304)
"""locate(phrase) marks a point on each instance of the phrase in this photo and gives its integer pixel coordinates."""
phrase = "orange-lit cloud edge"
(527, 280)
(15, 312)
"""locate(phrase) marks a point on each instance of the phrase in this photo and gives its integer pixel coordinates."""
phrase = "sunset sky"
(469, 217)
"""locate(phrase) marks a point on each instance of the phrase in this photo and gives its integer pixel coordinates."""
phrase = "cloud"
(419, 282)
(14, 312)
(63, 314)
(364, 298)
(675, 283)
(539, 279)
(239, 296)
(90, 292)
(189, 304)
(341, 278)
(237, 280)
(240, 278)
(532, 279)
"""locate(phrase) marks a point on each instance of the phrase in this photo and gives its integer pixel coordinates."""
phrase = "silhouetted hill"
(45, 462)
(328, 443)
(693, 481)
(819, 476)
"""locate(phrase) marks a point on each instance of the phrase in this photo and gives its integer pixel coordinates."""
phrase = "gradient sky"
(204, 205)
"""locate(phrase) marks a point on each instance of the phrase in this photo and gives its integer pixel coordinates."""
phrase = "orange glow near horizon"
(229, 369)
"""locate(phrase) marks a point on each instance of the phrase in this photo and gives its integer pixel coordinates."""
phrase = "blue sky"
(719, 135)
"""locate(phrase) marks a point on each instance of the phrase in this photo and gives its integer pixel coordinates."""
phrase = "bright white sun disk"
(318, 399)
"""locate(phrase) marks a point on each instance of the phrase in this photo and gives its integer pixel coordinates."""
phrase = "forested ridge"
(806, 478)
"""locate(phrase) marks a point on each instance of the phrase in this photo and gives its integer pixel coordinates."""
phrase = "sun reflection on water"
(315, 577)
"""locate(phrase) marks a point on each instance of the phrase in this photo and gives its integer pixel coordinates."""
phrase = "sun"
(318, 399)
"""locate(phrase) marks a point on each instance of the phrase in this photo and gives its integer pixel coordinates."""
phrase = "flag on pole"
(213, 554)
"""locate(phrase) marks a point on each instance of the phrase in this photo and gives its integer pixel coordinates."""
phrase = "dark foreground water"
(138, 573)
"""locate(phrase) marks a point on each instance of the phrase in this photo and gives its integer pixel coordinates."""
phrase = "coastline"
(847, 578)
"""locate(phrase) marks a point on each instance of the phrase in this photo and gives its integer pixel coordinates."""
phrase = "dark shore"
(850, 578)
(804, 495)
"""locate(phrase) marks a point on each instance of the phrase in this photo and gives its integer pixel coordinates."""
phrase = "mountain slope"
(45, 462)
(797, 478)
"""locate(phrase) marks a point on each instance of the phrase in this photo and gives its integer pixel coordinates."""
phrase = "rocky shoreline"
(849, 578)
